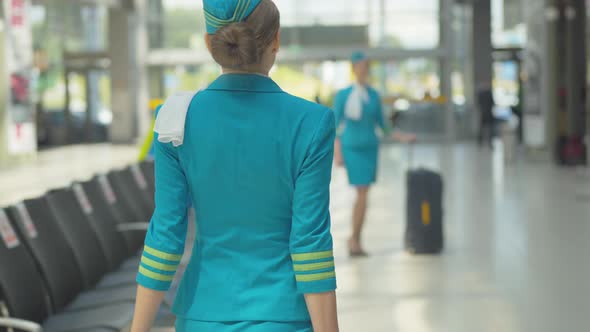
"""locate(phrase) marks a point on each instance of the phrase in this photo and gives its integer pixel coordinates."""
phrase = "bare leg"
(358, 220)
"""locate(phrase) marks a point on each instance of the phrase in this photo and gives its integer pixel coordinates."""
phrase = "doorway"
(507, 83)
(87, 113)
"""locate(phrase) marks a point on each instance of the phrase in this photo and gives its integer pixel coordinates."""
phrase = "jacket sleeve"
(339, 104)
(311, 241)
(164, 242)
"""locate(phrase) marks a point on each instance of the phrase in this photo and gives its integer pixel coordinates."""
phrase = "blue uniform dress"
(256, 162)
(360, 144)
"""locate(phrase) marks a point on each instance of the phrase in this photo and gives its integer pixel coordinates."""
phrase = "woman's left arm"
(146, 308)
(164, 242)
(381, 117)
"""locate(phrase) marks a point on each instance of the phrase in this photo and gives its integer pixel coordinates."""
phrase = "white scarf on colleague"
(354, 104)
(172, 117)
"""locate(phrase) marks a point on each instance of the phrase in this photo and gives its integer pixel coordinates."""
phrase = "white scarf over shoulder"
(172, 117)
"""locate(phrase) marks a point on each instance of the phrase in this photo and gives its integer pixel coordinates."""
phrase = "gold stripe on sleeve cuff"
(312, 256)
(312, 266)
(154, 275)
(158, 265)
(315, 277)
(162, 255)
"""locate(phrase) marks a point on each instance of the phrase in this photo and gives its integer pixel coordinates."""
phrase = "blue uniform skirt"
(361, 164)
(185, 325)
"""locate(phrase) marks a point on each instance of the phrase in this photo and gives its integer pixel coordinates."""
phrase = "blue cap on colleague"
(358, 56)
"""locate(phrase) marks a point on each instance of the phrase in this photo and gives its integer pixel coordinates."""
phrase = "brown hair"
(242, 44)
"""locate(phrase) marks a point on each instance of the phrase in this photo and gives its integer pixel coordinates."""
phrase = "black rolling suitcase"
(424, 228)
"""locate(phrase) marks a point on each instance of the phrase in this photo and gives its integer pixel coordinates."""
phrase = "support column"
(575, 62)
(539, 82)
(382, 20)
(92, 40)
(142, 87)
(156, 34)
(128, 46)
(468, 71)
(17, 117)
(553, 68)
(481, 53)
(482, 43)
(446, 66)
(3, 95)
(587, 94)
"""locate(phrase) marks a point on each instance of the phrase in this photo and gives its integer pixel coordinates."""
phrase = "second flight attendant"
(359, 111)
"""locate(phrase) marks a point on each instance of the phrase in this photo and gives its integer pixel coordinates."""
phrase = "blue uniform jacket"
(361, 133)
(256, 162)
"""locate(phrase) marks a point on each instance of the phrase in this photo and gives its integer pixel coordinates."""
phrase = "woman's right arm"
(322, 309)
(311, 242)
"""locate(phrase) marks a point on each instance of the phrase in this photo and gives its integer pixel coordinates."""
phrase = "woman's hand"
(338, 159)
(403, 137)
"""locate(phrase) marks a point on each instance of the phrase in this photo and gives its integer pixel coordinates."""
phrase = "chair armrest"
(20, 324)
(133, 226)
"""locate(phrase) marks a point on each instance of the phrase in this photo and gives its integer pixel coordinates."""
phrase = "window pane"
(183, 24)
(326, 12)
(189, 78)
(391, 23)
(413, 79)
(508, 26)
(411, 24)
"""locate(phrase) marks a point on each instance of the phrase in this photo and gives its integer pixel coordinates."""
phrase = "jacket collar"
(246, 83)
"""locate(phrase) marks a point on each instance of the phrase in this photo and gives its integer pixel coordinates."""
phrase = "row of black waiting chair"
(66, 264)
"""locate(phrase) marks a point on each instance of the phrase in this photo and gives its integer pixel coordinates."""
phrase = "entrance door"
(87, 113)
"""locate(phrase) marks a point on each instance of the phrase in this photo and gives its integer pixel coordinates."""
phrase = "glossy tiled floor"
(517, 257)
(59, 167)
(518, 242)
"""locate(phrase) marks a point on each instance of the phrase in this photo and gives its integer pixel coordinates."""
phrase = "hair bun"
(235, 46)
(242, 45)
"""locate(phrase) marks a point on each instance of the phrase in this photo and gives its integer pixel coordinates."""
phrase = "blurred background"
(93, 66)
(80, 79)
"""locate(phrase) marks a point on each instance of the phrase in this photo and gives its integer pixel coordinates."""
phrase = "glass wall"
(185, 78)
(462, 33)
(411, 79)
(508, 35)
(59, 28)
(408, 85)
(411, 24)
(392, 23)
(65, 27)
(508, 23)
(398, 24)
(183, 24)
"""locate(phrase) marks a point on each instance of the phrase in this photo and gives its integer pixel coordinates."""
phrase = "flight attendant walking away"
(359, 112)
(256, 163)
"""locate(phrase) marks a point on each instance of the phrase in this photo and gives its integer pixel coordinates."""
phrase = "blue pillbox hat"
(221, 13)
